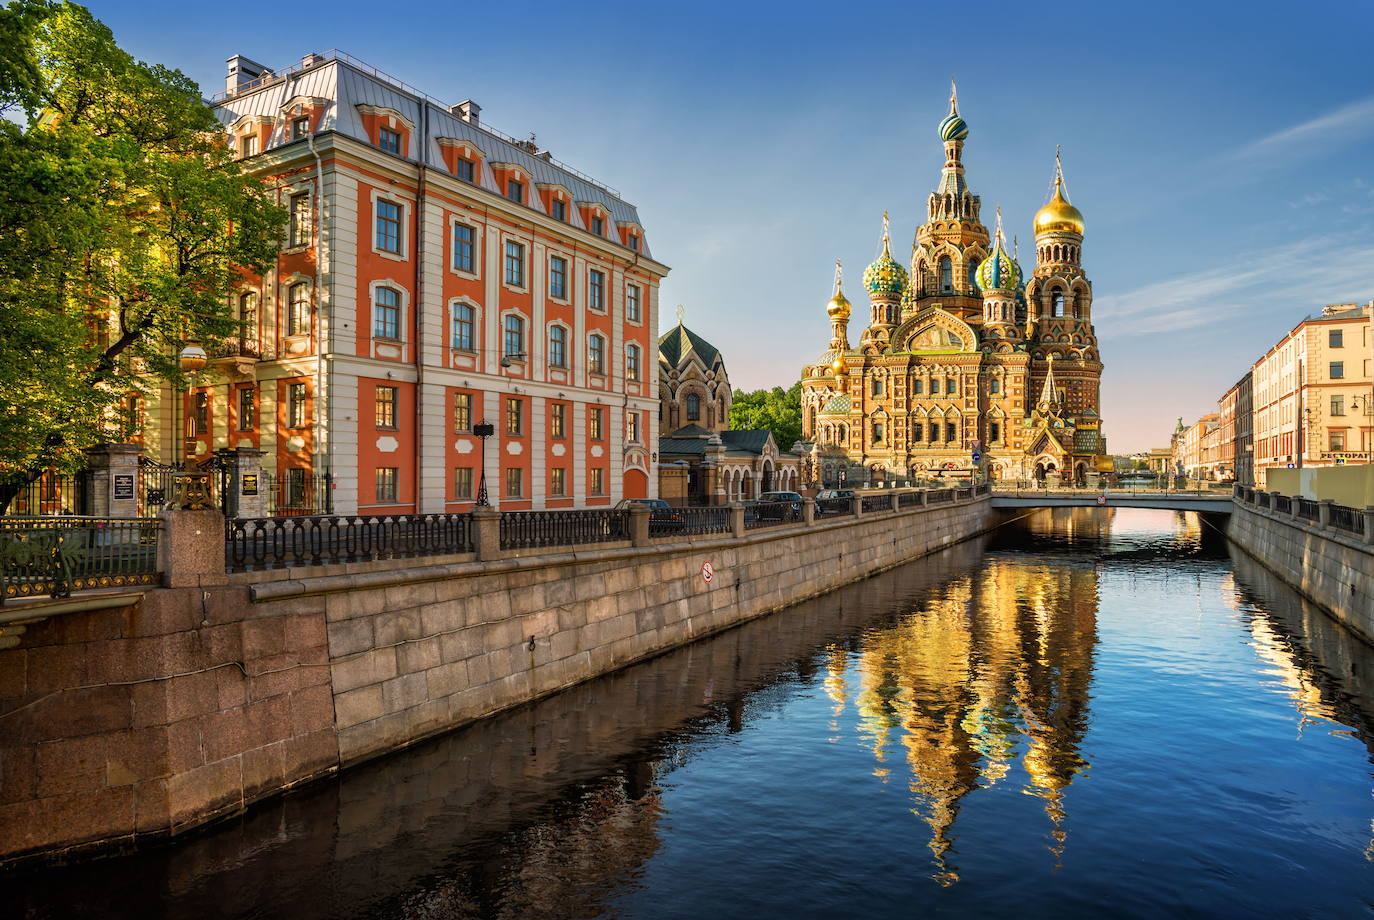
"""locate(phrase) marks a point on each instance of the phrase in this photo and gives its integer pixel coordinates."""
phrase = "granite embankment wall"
(1330, 567)
(165, 711)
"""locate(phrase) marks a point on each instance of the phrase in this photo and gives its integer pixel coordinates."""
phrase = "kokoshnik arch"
(964, 351)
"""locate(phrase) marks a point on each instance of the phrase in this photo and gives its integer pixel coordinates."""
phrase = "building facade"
(435, 274)
(963, 353)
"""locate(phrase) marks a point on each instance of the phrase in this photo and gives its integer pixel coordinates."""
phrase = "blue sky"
(1220, 152)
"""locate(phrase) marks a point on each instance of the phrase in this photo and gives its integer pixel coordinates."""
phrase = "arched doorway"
(767, 477)
(1045, 470)
(1080, 475)
(636, 484)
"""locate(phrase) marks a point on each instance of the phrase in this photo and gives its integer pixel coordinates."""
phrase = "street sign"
(1340, 461)
(707, 572)
(1102, 499)
(1292, 465)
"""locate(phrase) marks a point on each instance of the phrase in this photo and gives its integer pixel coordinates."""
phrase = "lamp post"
(192, 359)
(483, 430)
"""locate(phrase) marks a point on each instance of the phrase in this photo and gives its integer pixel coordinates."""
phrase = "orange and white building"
(435, 274)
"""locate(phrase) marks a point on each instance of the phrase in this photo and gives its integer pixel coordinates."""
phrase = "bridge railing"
(1320, 515)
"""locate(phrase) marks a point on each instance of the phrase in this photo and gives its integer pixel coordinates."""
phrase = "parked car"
(778, 506)
(663, 517)
(834, 493)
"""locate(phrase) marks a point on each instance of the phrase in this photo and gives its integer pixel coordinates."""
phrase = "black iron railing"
(1263, 499)
(533, 529)
(936, 496)
(1308, 510)
(688, 522)
(872, 504)
(1343, 517)
(770, 514)
(252, 544)
(963, 494)
(293, 493)
(832, 507)
(1283, 504)
(53, 494)
(909, 499)
(56, 556)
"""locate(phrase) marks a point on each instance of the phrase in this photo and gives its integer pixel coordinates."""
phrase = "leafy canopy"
(777, 409)
(125, 224)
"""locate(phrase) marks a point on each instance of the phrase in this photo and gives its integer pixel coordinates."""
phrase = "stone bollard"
(639, 525)
(856, 505)
(922, 502)
(892, 500)
(1369, 524)
(808, 511)
(736, 519)
(1324, 513)
(486, 534)
(190, 549)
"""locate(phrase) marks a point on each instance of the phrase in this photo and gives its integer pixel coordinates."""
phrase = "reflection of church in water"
(989, 684)
(964, 350)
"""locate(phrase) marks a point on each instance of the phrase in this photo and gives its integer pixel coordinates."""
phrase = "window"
(462, 482)
(515, 264)
(387, 400)
(917, 387)
(514, 343)
(386, 313)
(462, 413)
(515, 482)
(464, 248)
(1057, 303)
(248, 145)
(557, 420)
(598, 226)
(248, 409)
(248, 321)
(596, 355)
(295, 487)
(877, 386)
(558, 209)
(632, 427)
(389, 140)
(515, 411)
(295, 405)
(558, 277)
(596, 423)
(952, 386)
(973, 274)
(596, 289)
(693, 407)
(467, 169)
(995, 431)
(994, 385)
(299, 230)
(133, 414)
(558, 346)
(632, 303)
(946, 275)
(515, 190)
(1337, 370)
(200, 415)
(877, 432)
(464, 327)
(1337, 436)
(1335, 338)
(597, 485)
(632, 362)
(633, 242)
(558, 481)
(298, 309)
(1338, 405)
(300, 127)
(951, 432)
(918, 431)
(386, 483)
(388, 235)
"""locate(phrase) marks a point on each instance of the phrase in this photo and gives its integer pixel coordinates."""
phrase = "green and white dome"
(885, 277)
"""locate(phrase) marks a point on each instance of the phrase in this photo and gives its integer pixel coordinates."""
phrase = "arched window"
(514, 344)
(464, 327)
(973, 274)
(946, 275)
(693, 407)
(248, 321)
(877, 432)
(298, 309)
(995, 431)
(632, 362)
(1057, 303)
(386, 313)
(596, 354)
(558, 346)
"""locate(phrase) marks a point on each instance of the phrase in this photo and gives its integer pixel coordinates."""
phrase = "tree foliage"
(124, 225)
(777, 409)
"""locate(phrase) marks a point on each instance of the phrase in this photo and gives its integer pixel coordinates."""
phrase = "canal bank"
(153, 718)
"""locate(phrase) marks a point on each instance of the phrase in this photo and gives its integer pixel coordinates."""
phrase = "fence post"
(639, 525)
(856, 505)
(190, 549)
(736, 519)
(1324, 513)
(250, 499)
(1295, 508)
(486, 534)
(114, 480)
(892, 500)
(808, 511)
(1368, 524)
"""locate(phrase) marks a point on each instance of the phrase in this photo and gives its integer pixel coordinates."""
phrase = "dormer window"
(633, 242)
(300, 127)
(598, 226)
(515, 190)
(467, 170)
(389, 140)
(248, 145)
(558, 209)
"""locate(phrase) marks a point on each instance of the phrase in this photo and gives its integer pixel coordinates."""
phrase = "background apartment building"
(435, 274)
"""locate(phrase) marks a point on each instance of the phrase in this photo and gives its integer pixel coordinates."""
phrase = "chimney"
(242, 72)
(311, 58)
(467, 110)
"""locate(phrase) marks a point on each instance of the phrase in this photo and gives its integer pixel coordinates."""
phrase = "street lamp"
(192, 359)
(483, 430)
(510, 357)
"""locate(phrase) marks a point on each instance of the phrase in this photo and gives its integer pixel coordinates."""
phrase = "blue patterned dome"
(953, 127)
(885, 277)
(999, 271)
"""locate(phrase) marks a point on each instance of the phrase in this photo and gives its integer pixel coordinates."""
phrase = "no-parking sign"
(707, 572)
(1102, 499)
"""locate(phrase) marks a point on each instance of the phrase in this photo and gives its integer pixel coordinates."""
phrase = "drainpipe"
(326, 316)
(418, 309)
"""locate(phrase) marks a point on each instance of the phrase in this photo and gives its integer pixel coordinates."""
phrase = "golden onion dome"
(839, 307)
(1058, 215)
(838, 366)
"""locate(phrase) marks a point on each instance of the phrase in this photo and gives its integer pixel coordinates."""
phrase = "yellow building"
(963, 353)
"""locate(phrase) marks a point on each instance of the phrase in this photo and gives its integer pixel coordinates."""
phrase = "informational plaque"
(123, 487)
(250, 484)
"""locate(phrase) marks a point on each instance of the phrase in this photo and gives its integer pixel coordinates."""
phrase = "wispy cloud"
(1296, 278)
(1349, 120)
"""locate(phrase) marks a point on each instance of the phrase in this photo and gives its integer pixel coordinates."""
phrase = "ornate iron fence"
(53, 493)
(1307, 509)
(253, 544)
(909, 499)
(58, 555)
(872, 504)
(688, 522)
(1262, 499)
(296, 493)
(963, 494)
(532, 529)
(1343, 517)
(936, 496)
(832, 507)
(770, 514)
(1283, 504)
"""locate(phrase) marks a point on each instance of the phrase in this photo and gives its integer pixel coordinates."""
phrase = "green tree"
(124, 225)
(777, 409)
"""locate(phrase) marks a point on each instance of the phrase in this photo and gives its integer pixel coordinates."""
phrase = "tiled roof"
(838, 405)
(678, 342)
(752, 441)
(689, 431)
(681, 446)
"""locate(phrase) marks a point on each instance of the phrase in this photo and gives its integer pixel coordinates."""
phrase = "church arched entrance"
(767, 480)
(1045, 470)
(636, 484)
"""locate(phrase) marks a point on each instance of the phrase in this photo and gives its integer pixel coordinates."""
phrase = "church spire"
(952, 198)
(1049, 394)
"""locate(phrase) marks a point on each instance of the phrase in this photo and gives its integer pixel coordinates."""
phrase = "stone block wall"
(1333, 569)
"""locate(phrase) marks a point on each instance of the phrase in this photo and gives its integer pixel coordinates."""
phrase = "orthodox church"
(967, 364)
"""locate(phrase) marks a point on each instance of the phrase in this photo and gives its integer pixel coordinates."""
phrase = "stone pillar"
(190, 549)
(808, 511)
(736, 519)
(1369, 524)
(639, 525)
(245, 482)
(486, 534)
(856, 505)
(114, 480)
(1324, 513)
(892, 500)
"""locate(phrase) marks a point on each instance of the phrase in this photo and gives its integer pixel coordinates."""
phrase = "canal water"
(1092, 712)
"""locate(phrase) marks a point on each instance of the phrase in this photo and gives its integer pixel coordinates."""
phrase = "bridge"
(1214, 502)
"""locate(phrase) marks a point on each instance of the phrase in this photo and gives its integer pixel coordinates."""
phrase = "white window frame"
(406, 203)
(402, 320)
